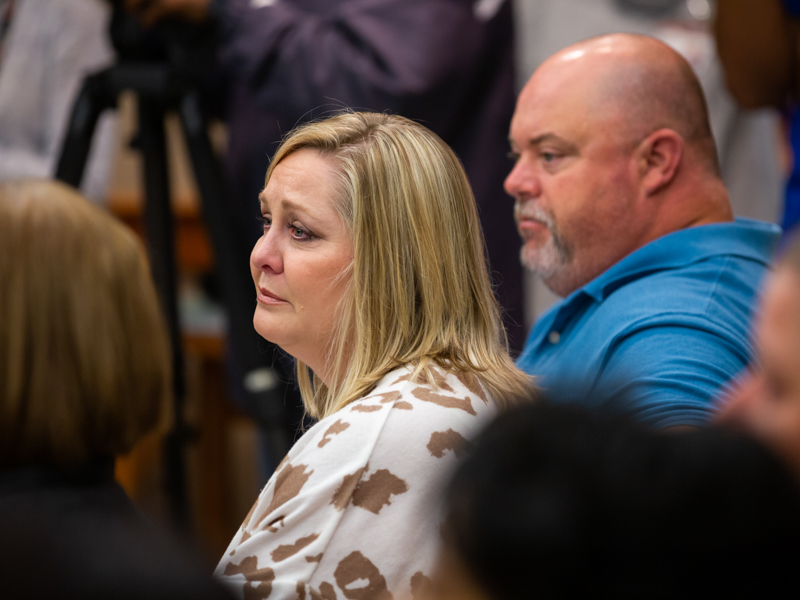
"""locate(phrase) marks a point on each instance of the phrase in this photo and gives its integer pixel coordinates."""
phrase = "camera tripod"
(162, 85)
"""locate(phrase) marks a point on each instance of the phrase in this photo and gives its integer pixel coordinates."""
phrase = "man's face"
(766, 399)
(574, 181)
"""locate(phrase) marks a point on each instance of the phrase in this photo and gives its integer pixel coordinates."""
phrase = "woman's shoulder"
(444, 410)
(449, 404)
(435, 388)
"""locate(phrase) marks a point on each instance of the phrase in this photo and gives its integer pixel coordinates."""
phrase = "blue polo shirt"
(662, 329)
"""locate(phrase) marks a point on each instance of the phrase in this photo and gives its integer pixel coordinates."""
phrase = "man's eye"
(513, 156)
(548, 156)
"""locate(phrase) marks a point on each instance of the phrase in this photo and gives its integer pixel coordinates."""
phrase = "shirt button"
(554, 337)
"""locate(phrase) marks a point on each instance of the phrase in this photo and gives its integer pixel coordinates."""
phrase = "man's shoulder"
(720, 289)
(713, 294)
(690, 270)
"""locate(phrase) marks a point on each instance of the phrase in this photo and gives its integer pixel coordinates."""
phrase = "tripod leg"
(159, 233)
(232, 256)
(95, 96)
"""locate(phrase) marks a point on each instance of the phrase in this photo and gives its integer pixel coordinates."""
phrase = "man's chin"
(544, 261)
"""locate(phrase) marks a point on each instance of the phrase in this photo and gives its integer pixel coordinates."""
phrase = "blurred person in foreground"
(371, 272)
(765, 401)
(759, 44)
(556, 502)
(84, 374)
(622, 211)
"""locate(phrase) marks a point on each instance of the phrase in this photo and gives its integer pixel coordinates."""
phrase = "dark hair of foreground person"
(555, 502)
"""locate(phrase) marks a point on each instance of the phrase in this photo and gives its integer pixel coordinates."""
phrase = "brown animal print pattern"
(350, 514)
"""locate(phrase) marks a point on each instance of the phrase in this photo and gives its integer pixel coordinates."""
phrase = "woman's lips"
(267, 297)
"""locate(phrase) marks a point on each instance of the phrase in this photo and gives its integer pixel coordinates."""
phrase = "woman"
(371, 273)
(84, 374)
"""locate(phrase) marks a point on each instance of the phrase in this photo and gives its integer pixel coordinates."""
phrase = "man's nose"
(522, 182)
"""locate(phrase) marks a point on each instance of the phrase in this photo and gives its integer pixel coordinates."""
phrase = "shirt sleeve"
(668, 375)
(359, 53)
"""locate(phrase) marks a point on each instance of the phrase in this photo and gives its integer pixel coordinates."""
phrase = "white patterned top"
(351, 512)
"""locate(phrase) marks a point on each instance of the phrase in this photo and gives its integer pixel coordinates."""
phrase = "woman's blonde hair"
(84, 358)
(419, 291)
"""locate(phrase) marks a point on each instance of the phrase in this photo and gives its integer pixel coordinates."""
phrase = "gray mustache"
(529, 210)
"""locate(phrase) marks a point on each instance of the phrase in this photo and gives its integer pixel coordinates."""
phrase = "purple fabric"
(430, 60)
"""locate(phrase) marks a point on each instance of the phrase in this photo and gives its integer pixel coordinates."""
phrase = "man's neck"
(690, 203)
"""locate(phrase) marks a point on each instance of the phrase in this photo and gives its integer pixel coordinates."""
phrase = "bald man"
(622, 211)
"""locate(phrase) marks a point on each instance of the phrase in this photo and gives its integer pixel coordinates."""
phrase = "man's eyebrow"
(546, 137)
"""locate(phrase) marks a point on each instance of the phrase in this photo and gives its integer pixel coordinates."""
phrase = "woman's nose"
(267, 255)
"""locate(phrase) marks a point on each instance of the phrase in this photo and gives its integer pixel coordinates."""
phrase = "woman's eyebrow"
(288, 205)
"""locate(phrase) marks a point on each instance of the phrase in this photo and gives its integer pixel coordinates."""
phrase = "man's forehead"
(537, 121)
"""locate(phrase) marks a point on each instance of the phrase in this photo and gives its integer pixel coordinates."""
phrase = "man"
(747, 141)
(766, 400)
(622, 210)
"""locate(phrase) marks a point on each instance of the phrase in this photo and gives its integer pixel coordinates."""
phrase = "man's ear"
(659, 157)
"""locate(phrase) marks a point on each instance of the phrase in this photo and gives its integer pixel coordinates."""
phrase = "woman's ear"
(659, 157)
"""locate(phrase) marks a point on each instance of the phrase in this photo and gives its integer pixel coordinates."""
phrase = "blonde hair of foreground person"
(418, 291)
(84, 360)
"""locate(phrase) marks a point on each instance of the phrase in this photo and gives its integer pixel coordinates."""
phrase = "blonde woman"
(371, 273)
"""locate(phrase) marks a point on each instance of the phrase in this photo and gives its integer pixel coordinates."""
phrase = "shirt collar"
(746, 238)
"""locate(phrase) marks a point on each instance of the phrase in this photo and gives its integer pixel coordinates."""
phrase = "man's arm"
(757, 43)
(668, 375)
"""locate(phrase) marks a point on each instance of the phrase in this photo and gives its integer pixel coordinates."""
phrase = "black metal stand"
(159, 90)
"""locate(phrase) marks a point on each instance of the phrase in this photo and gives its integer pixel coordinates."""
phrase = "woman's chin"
(267, 330)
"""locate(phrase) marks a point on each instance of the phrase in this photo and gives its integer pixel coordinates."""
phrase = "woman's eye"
(266, 220)
(299, 233)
